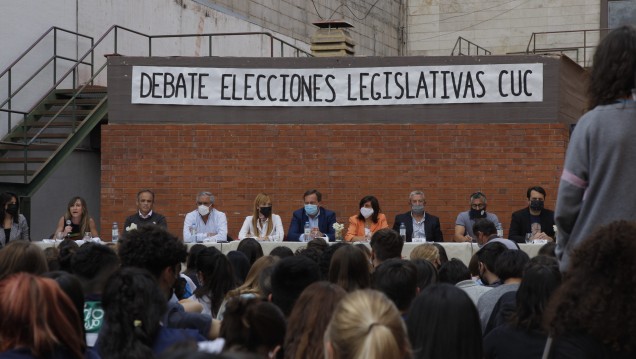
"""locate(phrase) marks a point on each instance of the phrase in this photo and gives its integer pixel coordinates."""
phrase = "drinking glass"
(529, 237)
(59, 236)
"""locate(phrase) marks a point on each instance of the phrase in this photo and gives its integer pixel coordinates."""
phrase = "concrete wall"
(499, 26)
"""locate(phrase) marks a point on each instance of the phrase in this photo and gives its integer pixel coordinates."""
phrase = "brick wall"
(345, 162)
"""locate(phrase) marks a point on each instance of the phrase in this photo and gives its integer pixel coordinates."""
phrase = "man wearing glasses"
(206, 223)
(465, 220)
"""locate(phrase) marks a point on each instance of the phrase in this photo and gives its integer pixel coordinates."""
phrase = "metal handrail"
(533, 42)
(458, 43)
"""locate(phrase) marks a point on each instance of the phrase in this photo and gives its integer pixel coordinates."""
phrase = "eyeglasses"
(477, 206)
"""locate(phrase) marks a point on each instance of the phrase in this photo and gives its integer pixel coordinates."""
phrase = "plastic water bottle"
(193, 233)
(499, 230)
(403, 231)
(307, 231)
(115, 232)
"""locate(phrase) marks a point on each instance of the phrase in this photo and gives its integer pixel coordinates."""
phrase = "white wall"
(501, 26)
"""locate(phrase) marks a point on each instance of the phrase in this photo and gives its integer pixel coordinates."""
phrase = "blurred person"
(318, 243)
(453, 272)
(240, 265)
(366, 324)
(253, 326)
(251, 288)
(309, 319)
(324, 258)
(548, 249)
(596, 184)
(417, 222)
(289, 278)
(251, 248)
(71, 286)
(522, 335)
(145, 214)
(191, 264)
(14, 224)
(485, 231)
(426, 273)
(133, 310)
(320, 219)
(486, 262)
(465, 220)
(52, 258)
(397, 279)
(40, 321)
(263, 224)
(385, 244)
(66, 250)
(350, 269)
(281, 252)
(364, 224)
(206, 222)
(509, 270)
(428, 252)
(22, 256)
(76, 221)
(592, 313)
(216, 278)
(443, 257)
(443, 323)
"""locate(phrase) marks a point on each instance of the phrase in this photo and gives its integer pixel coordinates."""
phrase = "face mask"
(203, 210)
(417, 209)
(477, 213)
(311, 209)
(536, 205)
(366, 212)
(266, 211)
(12, 209)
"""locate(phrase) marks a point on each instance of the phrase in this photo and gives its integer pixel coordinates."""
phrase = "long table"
(461, 251)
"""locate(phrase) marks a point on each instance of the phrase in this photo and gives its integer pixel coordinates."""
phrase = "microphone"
(68, 223)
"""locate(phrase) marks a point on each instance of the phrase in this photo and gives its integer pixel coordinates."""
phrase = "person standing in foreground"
(596, 186)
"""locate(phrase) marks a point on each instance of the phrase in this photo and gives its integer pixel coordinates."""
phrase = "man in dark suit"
(423, 224)
(320, 219)
(533, 219)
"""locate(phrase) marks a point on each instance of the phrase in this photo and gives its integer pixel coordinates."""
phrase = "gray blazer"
(19, 230)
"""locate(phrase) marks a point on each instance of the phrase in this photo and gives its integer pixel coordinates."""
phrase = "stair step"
(21, 160)
(16, 172)
(67, 112)
(40, 124)
(78, 101)
(42, 135)
(87, 89)
(33, 147)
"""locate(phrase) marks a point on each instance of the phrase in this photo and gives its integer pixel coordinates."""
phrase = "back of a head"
(489, 253)
(510, 264)
(290, 277)
(281, 252)
(453, 272)
(548, 249)
(540, 279)
(426, 273)
(94, 263)
(192, 256)
(67, 250)
(252, 325)
(217, 277)
(152, 248)
(600, 275)
(22, 256)
(443, 257)
(38, 316)
(350, 269)
(366, 324)
(443, 323)
(309, 319)
(386, 244)
(134, 305)
(71, 286)
(485, 226)
(426, 251)
(397, 279)
(240, 265)
(251, 248)
(252, 282)
(325, 257)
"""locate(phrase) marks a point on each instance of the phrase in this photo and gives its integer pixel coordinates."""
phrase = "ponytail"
(380, 343)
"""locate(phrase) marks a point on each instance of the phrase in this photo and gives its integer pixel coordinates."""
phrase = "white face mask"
(366, 212)
(203, 210)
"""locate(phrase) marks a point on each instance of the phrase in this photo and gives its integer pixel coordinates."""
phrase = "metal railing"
(579, 43)
(468, 48)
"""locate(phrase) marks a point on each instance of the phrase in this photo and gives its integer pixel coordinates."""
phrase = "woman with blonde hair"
(251, 287)
(76, 221)
(366, 324)
(427, 251)
(263, 225)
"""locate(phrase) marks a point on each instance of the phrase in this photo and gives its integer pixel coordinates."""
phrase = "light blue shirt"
(217, 223)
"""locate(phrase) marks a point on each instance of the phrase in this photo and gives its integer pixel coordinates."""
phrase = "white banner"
(405, 85)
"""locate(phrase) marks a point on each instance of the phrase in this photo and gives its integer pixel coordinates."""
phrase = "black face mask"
(12, 209)
(266, 211)
(536, 205)
(477, 213)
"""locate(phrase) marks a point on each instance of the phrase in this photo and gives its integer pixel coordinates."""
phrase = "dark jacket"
(431, 227)
(520, 224)
(326, 219)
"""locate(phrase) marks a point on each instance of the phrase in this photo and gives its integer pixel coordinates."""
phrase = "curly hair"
(614, 67)
(596, 296)
(152, 248)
